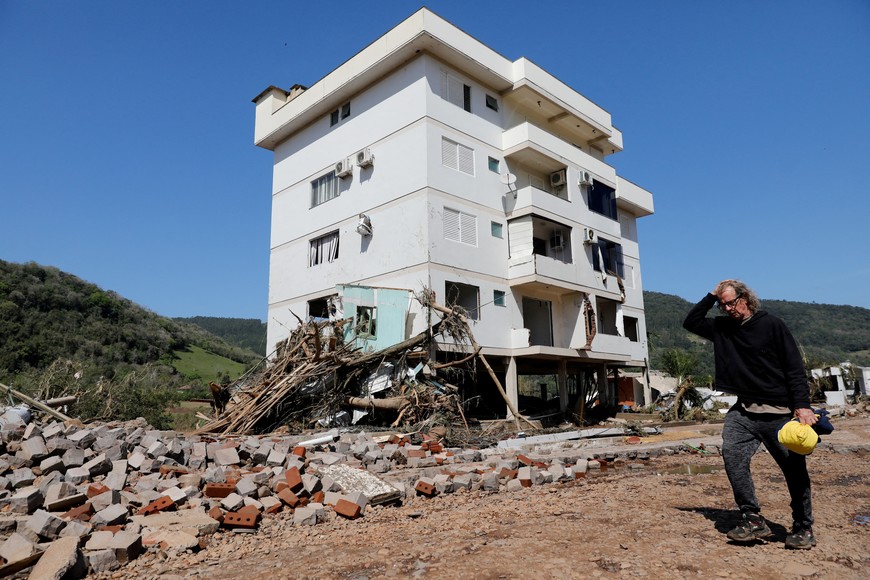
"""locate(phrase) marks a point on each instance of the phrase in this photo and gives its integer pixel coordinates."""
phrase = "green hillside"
(247, 333)
(61, 334)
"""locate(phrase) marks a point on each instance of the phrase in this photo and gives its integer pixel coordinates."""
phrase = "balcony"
(530, 145)
(531, 197)
(633, 198)
(543, 272)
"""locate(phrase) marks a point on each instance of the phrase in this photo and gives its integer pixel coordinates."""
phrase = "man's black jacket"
(758, 360)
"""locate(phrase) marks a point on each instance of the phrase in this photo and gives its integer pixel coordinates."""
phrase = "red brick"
(288, 497)
(348, 509)
(508, 473)
(395, 439)
(218, 490)
(241, 519)
(114, 529)
(175, 469)
(96, 489)
(294, 479)
(526, 482)
(318, 497)
(416, 453)
(435, 447)
(216, 513)
(425, 488)
(158, 505)
(281, 486)
(81, 513)
(524, 459)
(299, 451)
(541, 465)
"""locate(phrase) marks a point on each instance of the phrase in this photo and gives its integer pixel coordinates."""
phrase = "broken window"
(324, 188)
(607, 257)
(631, 326)
(323, 249)
(602, 199)
(367, 321)
(491, 103)
(465, 296)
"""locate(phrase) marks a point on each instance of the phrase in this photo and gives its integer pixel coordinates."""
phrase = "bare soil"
(664, 517)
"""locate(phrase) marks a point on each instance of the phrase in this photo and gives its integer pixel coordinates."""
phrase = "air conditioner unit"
(588, 236)
(344, 167)
(365, 158)
(557, 242)
(585, 177)
(557, 179)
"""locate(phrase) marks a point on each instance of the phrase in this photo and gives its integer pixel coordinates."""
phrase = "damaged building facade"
(428, 160)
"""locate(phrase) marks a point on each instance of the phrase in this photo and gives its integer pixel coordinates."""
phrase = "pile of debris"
(78, 499)
(315, 377)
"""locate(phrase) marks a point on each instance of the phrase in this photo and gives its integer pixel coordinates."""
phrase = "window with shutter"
(456, 156)
(455, 91)
(460, 227)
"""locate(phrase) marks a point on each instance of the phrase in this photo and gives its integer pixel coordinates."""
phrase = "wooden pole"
(33, 402)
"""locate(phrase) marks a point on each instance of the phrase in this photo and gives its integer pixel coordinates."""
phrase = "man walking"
(757, 359)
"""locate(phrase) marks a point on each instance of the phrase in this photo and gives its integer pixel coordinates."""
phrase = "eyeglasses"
(723, 306)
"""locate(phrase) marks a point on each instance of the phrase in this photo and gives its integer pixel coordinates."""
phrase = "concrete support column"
(511, 385)
(563, 385)
(647, 391)
(604, 394)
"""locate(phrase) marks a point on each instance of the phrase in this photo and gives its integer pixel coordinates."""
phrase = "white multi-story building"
(429, 160)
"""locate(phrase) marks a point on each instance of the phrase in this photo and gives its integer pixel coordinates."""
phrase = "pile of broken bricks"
(90, 498)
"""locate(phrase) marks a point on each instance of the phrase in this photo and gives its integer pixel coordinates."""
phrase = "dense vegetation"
(247, 333)
(827, 334)
(60, 332)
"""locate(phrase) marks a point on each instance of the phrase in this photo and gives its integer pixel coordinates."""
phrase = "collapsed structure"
(427, 160)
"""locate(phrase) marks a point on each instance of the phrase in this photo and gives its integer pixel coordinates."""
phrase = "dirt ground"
(664, 517)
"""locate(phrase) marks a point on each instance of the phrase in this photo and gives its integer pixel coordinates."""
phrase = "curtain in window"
(323, 249)
(323, 189)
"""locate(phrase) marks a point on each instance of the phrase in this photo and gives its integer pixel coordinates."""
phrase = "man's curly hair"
(745, 292)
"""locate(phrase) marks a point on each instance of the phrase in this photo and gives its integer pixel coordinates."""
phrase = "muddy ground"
(664, 517)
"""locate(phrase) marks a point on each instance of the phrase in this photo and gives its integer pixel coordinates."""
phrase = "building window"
(602, 200)
(324, 188)
(464, 296)
(455, 91)
(367, 321)
(496, 229)
(498, 297)
(460, 227)
(491, 103)
(457, 156)
(342, 112)
(607, 257)
(323, 249)
(493, 164)
(631, 333)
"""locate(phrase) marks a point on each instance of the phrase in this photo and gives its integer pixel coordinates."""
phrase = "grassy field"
(184, 417)
(196, 363)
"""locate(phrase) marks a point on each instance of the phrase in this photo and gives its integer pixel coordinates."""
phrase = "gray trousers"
(742, 434)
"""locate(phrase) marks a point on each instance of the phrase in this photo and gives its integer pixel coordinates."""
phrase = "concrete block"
(246, 487)
(74, 457)
(77, 475)
(22, 477)
(17, 547)
(83, 438)
(176, 494)
(489, 481)
(514, 485)
(227, 456)
(195, 521)
(232, 502)
(190, 480)
(305, 516)
(105, 499)
(99, 465)
(102, 560)
(311, 484)
(33, 449)
(116, 480)
(275, 457)
(114, 514)
(100, 540)
(45, 525)
(50, 464)
(271, 504)
(157, 449)
(26, 500)
(75, 529)
(127, 546)
(62, 559)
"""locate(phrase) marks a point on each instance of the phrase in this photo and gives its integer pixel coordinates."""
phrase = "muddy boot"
(753, 527)
(800, 539)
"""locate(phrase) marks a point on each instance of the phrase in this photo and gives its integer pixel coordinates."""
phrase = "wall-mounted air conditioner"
(585, 177)
(557, 242)
(344, 167)
(558, 179)
(365, 158)
(588, 236)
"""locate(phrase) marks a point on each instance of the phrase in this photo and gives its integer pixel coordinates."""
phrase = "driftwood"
(34, 403)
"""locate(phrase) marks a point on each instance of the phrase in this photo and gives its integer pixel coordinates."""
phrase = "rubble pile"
(77, 499)
(316, 376)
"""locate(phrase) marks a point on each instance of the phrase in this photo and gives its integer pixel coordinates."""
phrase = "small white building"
(429, 160)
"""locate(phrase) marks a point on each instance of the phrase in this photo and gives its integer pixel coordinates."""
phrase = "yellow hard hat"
(798, 437)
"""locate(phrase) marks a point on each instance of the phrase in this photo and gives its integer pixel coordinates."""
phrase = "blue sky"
(127, 156)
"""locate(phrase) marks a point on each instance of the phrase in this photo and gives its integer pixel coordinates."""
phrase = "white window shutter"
(466, 159)
(448, 153)
(468, 229)
(451, 224)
